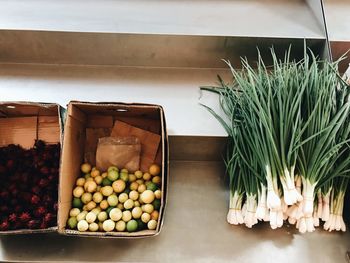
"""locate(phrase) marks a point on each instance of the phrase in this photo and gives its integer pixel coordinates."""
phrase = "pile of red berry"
(29, 186)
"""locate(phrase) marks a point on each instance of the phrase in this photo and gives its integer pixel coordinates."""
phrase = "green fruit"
(106, 182)
(156, 204)
(113, 168)
(109, 209)
(124, 177)
(132, 226)
(72, 222)
(151, 186)
(112, 175)
(140, 225)
(77, 203)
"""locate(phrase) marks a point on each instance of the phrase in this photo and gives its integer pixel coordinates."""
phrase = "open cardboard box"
(24, 122)
(85, 123)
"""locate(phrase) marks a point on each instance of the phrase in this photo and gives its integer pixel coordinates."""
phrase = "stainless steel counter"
(195, 230)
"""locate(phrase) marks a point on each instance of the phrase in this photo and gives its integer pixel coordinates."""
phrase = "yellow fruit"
(128, 204)
(85, 168)
(148, 208)
(81, 215)
(90, 217)
(115, 214)
(146, 177)
(93, 227)
(141, 188)
(108, 225)
(97, 197)
(80, 181)
(90, 186)
(120, 226)
(86, 198)
(158, 194)
(147, 197)
(156, 179)
(119, 186)
(154, 169)
(123, 197)
(91, 205)
(140, 181)
(98, 179)
(145, 217)
(95, 173)
(74, 212)
(155, 215)
(107, 190)
(138, 174)
(137, 204)
(83, 225)
(126, 216)
(102, 216)
(134, 195)
(104, 204)
(134, 186)
(152, 224)
(120, 206)
(136, 212)
(78, 191)
(132, 178)
(104, 175)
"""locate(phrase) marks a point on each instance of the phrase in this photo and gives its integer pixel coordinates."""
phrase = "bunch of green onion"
(288, 154)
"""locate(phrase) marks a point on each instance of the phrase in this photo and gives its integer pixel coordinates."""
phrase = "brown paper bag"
(123, 152)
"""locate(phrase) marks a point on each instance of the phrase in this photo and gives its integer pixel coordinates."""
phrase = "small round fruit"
(78, 191)
(123, 197)
(112, 175)
(154, 169)
(80, 181)
(124, 170)
(98, 179)
(102, 216)
(141, 188)
(158, 194)
(112, 200)
(72, 222)
(155, 215)
(81, 215)
(115, 214)
(83, 225)
(124, 177)
(133, 186)
(136, 212)
(90, 186)
(148, 208)
(137, 203)
(74, 212)
(140, 181)
(91, 205)
(145, 217)
(106, 182)
(86, 198)
(85, 168)
(146, 177)
(128, 204)
(120, 226)
(104, 175)
(90, 179)
(156, 180)
(93, 227)
(96, 210)
(95, 173)
(113, 168)
(126, 216)
(156, 204)
(147, 196)
(118, 186)
(132, 225)
(151, 186)
(108, 225)
(138, 174)
(87, 176)
(132, 178)
(152, 224)
(97, 197)
(104, 204)
(141, 225)
(107, 190)
(134, 195)
(120, 206)
(90, 217)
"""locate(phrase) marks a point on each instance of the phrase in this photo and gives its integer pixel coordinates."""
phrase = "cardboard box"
(24, 122)
(85, 123)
